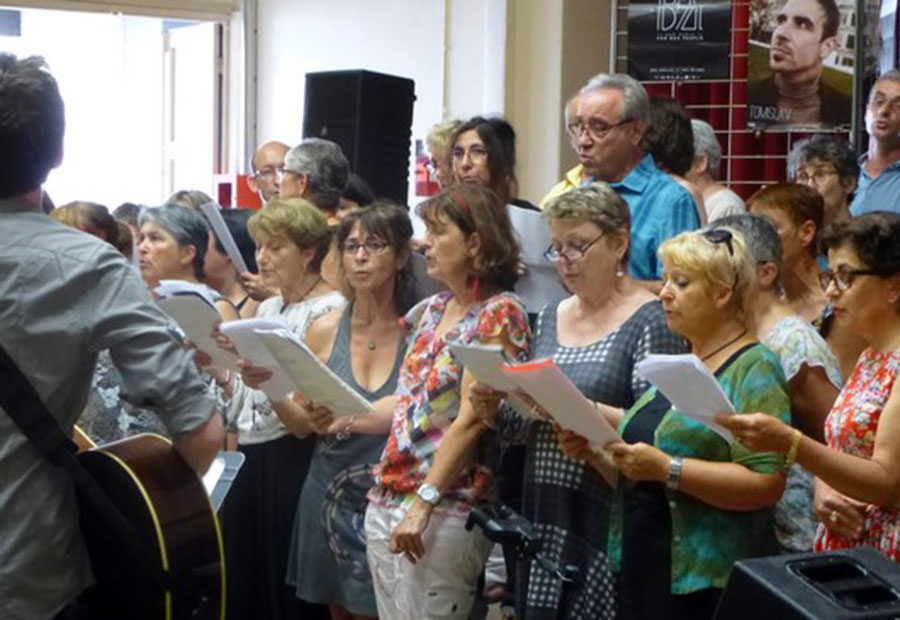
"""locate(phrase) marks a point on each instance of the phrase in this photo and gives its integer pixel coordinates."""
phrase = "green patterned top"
(706, 541)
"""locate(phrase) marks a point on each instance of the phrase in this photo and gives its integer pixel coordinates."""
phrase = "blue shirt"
(660, 209)
(879, 194)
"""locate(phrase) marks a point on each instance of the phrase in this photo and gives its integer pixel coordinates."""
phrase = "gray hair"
(324, 164)
(829, 150)
(706, 143)
(597, 203)
(890, 76)
(762, 240)
(187, 226)
(635, 102)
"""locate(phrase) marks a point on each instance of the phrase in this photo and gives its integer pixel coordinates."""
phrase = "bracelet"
(345, 433)
(791, 456)
(673, 480)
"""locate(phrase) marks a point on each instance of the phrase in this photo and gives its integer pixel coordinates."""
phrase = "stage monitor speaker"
(370, 116)
(857, 584)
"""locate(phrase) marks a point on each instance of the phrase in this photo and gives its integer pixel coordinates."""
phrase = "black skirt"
(256, 519)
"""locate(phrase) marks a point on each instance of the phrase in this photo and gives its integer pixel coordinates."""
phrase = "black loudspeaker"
(370, 116)
(854, 584)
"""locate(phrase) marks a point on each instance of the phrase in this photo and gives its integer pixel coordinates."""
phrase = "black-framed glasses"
(596, 128)
(844, 276)
(719, 235)
(371, 246)
(554, 254)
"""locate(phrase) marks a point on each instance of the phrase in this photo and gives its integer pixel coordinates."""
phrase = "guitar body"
(166, 504)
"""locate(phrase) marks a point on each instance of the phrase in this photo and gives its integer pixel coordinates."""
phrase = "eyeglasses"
(595, 128)
(283, 171)
(817, 176)
(572, 253)
(269, 172)
(371, 246)
(843, 277)
(719, 235)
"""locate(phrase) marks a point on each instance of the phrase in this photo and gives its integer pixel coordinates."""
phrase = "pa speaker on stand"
(369, 115)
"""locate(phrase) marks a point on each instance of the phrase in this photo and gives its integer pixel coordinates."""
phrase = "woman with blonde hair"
(689, 503)
(292, 237)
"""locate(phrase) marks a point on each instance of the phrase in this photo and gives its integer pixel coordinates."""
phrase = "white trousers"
(442, 584)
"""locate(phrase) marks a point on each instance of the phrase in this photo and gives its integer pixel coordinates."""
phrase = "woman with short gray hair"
(718, 199)
(812, 371)
(596, 336)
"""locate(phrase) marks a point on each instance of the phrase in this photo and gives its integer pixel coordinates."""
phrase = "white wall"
(399, 37)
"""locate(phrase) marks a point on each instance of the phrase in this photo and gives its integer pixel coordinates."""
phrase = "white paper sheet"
(169, 288)
(552, 390)
(690, 386)
(311, 377)
(214, 216)
(197, 318)
(484, 362)
(540, 284)
(245, 336)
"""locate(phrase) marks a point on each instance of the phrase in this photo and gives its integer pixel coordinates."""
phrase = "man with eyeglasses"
(268, 163)
(828, 165)
(879, 168)
(607, 131)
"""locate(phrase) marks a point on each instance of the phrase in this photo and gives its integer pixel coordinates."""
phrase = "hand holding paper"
(196, 315)
(484, 362)
(310, 376)
(559, 397)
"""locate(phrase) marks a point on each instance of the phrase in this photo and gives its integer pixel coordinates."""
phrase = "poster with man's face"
(801, 64)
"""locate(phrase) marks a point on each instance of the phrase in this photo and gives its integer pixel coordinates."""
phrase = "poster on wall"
(679, 39)
(801, 64)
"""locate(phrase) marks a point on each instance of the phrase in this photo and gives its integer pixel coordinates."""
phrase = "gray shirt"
(64, 297)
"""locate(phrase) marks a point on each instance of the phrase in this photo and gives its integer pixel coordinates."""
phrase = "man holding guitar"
(64, 296)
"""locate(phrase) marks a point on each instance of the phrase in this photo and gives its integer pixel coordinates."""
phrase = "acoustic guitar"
(168, 508)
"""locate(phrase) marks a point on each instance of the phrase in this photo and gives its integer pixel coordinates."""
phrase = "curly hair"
(875, 237)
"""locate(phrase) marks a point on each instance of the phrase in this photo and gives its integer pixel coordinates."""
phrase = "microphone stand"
(503, 526)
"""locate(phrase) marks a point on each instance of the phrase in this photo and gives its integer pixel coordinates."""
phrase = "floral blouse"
(851, 427)
(428, 397)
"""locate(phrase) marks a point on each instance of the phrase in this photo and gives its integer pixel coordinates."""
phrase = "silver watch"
(428, 494)
(674, 478)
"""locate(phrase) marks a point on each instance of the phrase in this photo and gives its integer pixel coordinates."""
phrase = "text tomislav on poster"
(679, 39)
(801, 63)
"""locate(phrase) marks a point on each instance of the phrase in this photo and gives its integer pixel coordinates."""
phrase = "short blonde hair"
(440, 137)
(713, 262)
(297, 220)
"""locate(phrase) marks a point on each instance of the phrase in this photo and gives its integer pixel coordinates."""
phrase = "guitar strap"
(23, 404)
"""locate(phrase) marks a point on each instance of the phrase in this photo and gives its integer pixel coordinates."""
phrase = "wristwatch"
(428, 494)
(674, 478)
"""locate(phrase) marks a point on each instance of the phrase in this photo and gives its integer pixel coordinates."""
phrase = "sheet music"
(484, 361)
(198, 319)
(552, 390)
(690, 386)
(540, 284)
(169, 288)
(245, 334)
(214, 216)
(311, 376)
